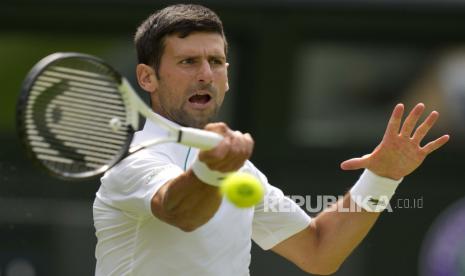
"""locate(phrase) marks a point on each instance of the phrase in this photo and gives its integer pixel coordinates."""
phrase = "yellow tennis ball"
(242, 189)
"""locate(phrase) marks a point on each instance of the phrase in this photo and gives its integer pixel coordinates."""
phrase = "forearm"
(340, 228)
(186, 202)
(331, 236)
(344, 225)
(191, 199)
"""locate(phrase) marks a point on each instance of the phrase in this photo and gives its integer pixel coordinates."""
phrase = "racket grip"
(198, 138)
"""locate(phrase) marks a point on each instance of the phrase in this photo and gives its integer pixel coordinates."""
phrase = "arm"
(185, 201)
(329, 239)
(332, 235)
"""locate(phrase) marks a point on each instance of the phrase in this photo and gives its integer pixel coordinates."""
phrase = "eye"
(188, 61)
(216, 61)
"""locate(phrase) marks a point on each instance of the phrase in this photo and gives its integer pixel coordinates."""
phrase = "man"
(158, 212)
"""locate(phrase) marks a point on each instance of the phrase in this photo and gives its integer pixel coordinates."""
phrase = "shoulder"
(250, 168)
(139, 168)
(167, 153)
(131, 184)
(270, 190)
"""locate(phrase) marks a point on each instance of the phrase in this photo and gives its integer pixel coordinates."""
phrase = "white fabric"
(131, 241)
(207, 175)
(373, 192)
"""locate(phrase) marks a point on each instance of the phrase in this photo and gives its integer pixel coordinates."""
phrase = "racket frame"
(134, 105)
(21, 109)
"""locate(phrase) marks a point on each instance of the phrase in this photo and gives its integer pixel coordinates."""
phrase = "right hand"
(231, 153)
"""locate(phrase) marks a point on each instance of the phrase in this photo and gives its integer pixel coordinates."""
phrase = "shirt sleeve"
(131, 184)
(276, 217)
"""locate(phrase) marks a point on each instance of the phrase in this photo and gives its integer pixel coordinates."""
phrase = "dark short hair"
(178, 19)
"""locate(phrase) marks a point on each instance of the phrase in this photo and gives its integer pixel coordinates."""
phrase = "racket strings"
(82, 98)
(73, 137)
(72, 152)
(78, 155)
(65, 142)
(75, 118)
(66, 126)
(88, 105)
(104, 147)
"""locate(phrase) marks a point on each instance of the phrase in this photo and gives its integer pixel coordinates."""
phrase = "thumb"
(355, 163)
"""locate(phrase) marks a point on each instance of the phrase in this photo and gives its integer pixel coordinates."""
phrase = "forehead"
(197, 43)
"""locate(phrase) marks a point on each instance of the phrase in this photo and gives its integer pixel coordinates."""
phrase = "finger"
(423, 129)
(220, 128)
(217, 153)
(355, 163)
(242, 147)
(250, 143)
(411, 120)
(231, 163)
(223, 147)
(240, 150)
(436, 144)
(394, 122)
(227, 165)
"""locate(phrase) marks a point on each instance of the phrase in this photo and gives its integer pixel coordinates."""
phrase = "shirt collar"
(150, 131)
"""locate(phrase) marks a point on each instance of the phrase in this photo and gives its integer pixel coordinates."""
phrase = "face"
(192, 79)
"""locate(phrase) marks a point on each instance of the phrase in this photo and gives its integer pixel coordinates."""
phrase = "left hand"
(400, 153)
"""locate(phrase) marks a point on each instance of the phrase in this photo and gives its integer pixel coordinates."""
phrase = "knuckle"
(222, 127)
(249, 139)
(219, 127)
(227, 141)
(210, 126)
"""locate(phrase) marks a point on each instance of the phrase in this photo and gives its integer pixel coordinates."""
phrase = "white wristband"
(206, 175)
(373, 192)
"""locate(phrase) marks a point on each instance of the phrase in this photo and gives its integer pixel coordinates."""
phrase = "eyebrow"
(222, 57)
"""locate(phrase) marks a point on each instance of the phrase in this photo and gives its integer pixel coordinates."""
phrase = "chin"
(197, 121)
(200, 124)
(194, 118)
(189, 122)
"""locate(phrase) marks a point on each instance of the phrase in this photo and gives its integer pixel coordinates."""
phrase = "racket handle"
(199, 138)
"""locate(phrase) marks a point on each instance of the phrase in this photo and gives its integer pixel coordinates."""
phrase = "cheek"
(175, 76)
(222, 81)
(227, 83)
(175, 85)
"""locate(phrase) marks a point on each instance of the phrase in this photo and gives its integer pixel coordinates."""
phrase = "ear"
(146, 77)
(227, 79)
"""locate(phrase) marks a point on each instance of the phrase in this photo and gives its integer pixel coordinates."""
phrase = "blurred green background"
(314, 82)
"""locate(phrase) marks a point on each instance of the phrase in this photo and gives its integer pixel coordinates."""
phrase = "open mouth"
(200, 99)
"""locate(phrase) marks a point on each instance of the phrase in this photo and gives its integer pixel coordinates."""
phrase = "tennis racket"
(76, 117)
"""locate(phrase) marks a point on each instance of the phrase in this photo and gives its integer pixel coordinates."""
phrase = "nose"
(205, 73)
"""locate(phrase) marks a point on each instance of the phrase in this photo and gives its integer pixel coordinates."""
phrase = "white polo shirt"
(132, 241)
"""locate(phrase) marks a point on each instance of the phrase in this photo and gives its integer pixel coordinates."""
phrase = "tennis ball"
(242, 189)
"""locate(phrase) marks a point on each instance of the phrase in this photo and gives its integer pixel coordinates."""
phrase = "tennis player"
(158, 212)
